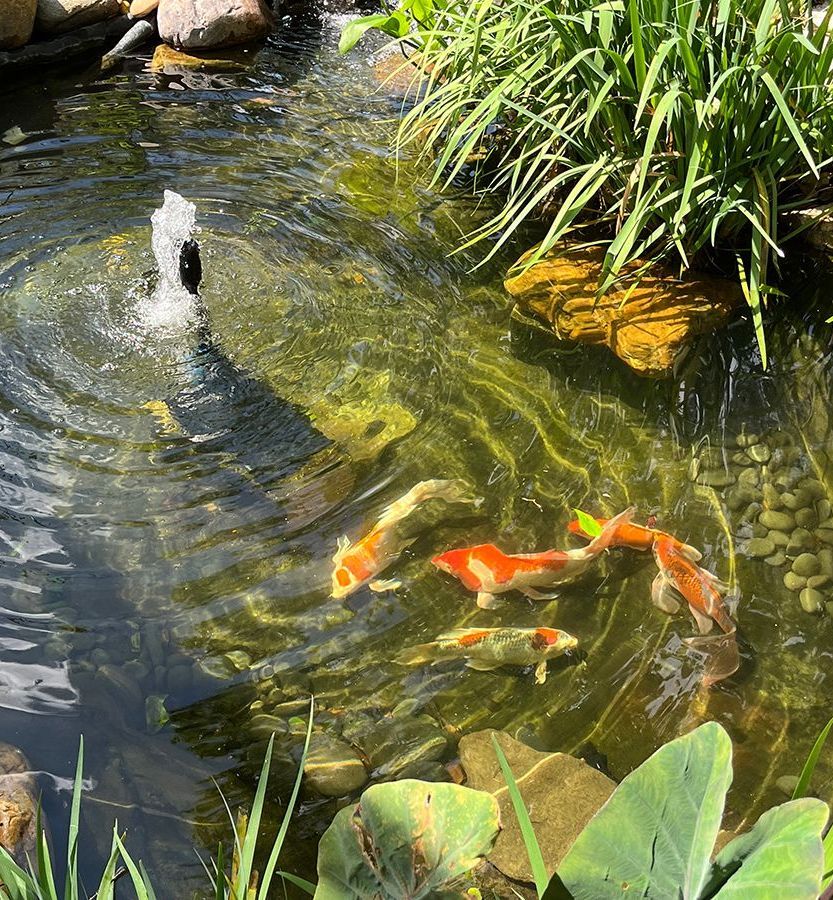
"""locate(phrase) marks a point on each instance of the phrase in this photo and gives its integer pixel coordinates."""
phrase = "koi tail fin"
(417, 655)
(604, 539)
(450, 490)
(721, 654)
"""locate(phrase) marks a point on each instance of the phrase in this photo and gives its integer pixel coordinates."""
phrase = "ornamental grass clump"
(659, 129)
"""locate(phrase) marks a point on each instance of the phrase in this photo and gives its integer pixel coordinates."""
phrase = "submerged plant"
(657, 129)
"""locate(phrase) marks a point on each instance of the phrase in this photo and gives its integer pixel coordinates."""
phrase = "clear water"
(165, 538)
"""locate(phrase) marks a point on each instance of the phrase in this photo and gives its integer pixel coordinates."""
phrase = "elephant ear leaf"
(654, 836)
(405, 839)
(782, 853)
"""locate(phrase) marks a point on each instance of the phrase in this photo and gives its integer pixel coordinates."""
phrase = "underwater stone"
(797, 500)
(180, 678)
(760, 547)
(772, 497)
(818, 581)
(787, 784)
(759, 453)
(426, 771)
(19, 805)
(806, 517)
(815, 488)
(135, 668)
(779, 538)
(793, 582)
(239, 659)
(759, 531)
(747, 440)
(263, 725)
(779, 521)
(217, 667)
(750, 514)
(829, 607)
(800, 541)
(777, 559)
(806, 565)
(825, 535)
(749, 478)
(811, 600)
(788, 478)
(825, 556)
(823, 509)
(741, 458)
(716, 478)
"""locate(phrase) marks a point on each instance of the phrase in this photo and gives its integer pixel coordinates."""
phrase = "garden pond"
(167, 594)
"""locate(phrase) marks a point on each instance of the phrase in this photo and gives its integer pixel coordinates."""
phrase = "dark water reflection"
(140, 565)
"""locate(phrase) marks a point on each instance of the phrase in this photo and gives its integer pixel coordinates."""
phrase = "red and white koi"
(358, 564)
(638, 537)
(486, 569)
(490, 648)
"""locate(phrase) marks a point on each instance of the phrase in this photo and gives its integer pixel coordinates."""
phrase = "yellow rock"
(170, 61)
(139, 8)
(648, 323)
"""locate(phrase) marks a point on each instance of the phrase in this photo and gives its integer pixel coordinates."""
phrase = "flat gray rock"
(56, 16)
(562, 794)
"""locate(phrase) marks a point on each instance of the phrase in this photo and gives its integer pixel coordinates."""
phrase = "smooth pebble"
(759, 453)
(777, 559)
(811, 600)
(806, 565)
(781, 521)
(818, 581)
(760, 547)
(793, 582)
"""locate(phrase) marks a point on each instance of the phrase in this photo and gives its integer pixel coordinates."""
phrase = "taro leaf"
(405, 840)
(352, 32)
(782, 856)
(654, 836)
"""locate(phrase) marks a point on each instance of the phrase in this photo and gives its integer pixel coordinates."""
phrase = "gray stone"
(741, 495)
(793, 582)
(760, 547)
(806, 565)
(203, 24)
(759, 530)
(239, 659)
(17, 18)
(787, 478)
(797, 500)
(263, 725)
(749, 478)
(759, 453)
(751, 513)
(800, 542)
(741, 458)
(562, 794)
(780, 521)
(777, 559)
(812, 601)
(57, 16)
(332, 767)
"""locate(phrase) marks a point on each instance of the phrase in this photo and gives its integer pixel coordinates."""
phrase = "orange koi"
(638, 537)
(487, 570)
(358, 564)
(491, 648)
(680, 578)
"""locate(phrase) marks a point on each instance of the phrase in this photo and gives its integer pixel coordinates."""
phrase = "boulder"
(57, 16)
(18, 805)
(203, 24)
(648, 323)
(562, 794)
(17, 19)
(139, 8)
(332, 768)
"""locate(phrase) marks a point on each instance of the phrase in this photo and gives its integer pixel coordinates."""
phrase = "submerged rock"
(17, 19)
(203, 24)
(139, 8)
(648, 325)
(18, 805)
(170, 61)
(562, 794)
(332, 768)
(56, 16)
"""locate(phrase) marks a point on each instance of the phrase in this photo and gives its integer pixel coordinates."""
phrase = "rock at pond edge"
(170, 61)
(556, 824)
(332, 767)
(206, 24)
(648, 325)
(57, 16)
(18, 804)
(17, 19)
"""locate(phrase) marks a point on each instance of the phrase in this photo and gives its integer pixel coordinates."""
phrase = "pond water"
(163, 559)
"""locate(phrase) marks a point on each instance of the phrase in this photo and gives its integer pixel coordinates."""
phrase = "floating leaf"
(588, 524)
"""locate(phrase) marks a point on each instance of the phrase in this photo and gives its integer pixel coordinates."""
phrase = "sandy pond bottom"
(150, 573)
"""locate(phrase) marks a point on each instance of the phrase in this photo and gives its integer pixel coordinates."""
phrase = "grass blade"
(533, 850)
(306, 886)
(810, 764)
(71, 884)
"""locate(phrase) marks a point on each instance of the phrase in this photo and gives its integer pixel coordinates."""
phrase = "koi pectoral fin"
(485, 600)
(541, 672)
(381, 585)
(704, 622)
(663, 596)
(482, 665)
(537, 595)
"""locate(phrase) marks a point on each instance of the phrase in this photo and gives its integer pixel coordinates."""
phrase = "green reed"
(661, 129)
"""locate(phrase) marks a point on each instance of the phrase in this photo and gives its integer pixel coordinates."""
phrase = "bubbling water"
(171, 308)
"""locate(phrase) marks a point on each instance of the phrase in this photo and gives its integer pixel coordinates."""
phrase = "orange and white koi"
(358, 564)
(679, 578)
(638, 537)
(491, 648)
(489, 571)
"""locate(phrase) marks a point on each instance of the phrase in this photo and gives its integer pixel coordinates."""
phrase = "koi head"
(552, 642)
(454, 562)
